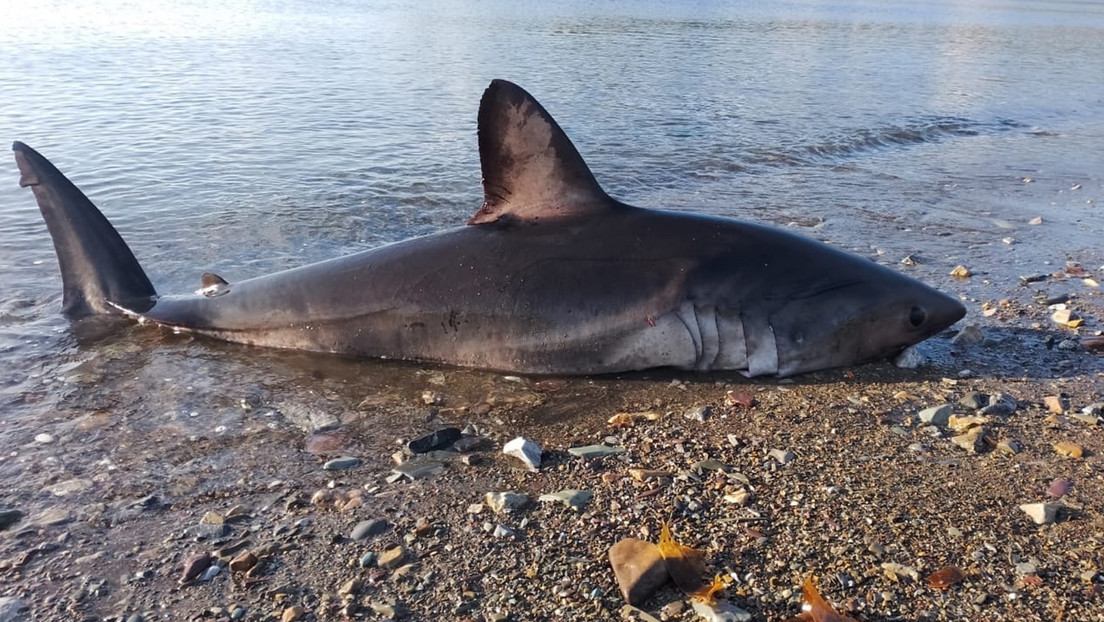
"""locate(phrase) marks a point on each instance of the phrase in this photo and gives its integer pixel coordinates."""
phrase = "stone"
(44, 438)
(1009, 446)
(969, 335)
(212, 518)
(367, 560)
(698, 413)
(572, 498)
(631, 614)
(594, 451)
(1069, 449)
(505, 501)
(341, 464)
(418, 469)
(391, 558)
(291, 614)
(708, 464)
(910, 358)
(1000, 404)
(208, 531)
(525, 450)
(243, 561)
(441, 439)
(1041, 513)
(469, 443)
(211, 572)
(974, 400)
(973, 440)
(368, 528)
(639, 569)
(194, 566)
(69, 486)
(783, 456)
(10, 517)
(936, 415)
(1054, 404)
(720, 612)
(350, 587)
(502, 531)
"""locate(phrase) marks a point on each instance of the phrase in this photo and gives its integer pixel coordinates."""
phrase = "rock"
(469, 443)
(291, 614)
(1041, 513)
(9, 517)
(720, 612)
(211, 572)
(243, 561)
(1058, 488)
(207, 531)
(367, 560)
(322, 422)
(1086, 419)
(910, 358)
(1054, 404)
(69, 486)
(195, 565)
(969, 335)
(341, 464)
(973, 440)
(698, 413)
(708, 465)
(782, 456)
(740, 497)
(525, 450)
(936, 415)
(572, 498)
(639, 569)
(961, 272)
(502, 531)
(441, 439)
(212, 518)
(418, 469)
(594, 451)
(368, 528)
(644, 475)
(505, 501)
(13, 609)
(974, 400)
(1000, 404)
(1070, 450)
(350, 588)
(44, 438)
(1009, 446)
(631, 614)
(391, 558)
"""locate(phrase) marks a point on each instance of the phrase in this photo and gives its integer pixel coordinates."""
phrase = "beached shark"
(550, 276)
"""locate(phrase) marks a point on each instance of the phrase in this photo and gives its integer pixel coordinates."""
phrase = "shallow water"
(247, 137)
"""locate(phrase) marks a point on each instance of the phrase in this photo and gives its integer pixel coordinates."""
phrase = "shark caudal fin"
(98, 271)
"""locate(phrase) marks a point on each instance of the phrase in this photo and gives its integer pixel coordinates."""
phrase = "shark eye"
(917, 317)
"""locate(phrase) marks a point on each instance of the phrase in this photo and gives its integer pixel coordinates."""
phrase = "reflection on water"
(244, 137)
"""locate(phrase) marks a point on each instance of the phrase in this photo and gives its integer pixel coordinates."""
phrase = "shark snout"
(935, 312)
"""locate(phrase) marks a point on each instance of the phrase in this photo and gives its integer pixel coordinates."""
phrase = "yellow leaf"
(708, 594)
(685, 565)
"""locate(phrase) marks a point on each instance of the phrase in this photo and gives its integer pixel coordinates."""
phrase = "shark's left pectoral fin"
(531, 171)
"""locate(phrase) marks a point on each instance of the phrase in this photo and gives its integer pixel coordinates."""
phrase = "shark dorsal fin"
(531, 171)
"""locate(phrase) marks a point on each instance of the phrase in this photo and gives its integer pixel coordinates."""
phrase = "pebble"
(570, 497)
(418, 469)
(505, 501)
(440, 439)
(12, 609)
(341, 464)
(1009, 446)
(936, 415)
(628, 612)
(698, 413)
(368, 528)
(207, 531)
(1054, 404)
(594, 451)
(367, 560)
(502, 531)
(720, 612)
(783, 456)
(69, 486)
(974, 400)
(211, 572)
(243, 561)
(973, 440)
(212, 518)
(525, 450)
(194, 566)
(1086, 419)
(969, 335)
(1000, 404)
(291, 614)
(391, 558)
(1041, 513)
(638, 568)
(910, 358)
(44, 438)
(1070, 450)
(468, 443)
(1058, 488)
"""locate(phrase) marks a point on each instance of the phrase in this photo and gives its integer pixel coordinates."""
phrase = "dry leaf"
(945, 578)
(685, 565)
(816, 609)
(708, 594)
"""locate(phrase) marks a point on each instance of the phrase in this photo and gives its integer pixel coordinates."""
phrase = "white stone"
(1041, 513)
(505, 501)
(525, 450)
(721, 612)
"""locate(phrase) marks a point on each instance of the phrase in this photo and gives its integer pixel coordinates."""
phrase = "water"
(246, 137)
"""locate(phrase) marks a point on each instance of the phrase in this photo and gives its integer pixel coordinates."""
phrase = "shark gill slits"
(917, 316)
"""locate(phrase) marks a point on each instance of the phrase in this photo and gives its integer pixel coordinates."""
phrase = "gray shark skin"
(551, 276)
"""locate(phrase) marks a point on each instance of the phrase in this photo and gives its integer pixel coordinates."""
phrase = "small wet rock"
(243, 562)
(368, 528)
(502, 531)
(525, 450)
(1001, 404)
(969, 335)
(341, 464)
(910, 358)
(12, 609)
(974, 400)
(418, 469)
(639, 569)
(441, 439)
(594, 451)
(194, 566)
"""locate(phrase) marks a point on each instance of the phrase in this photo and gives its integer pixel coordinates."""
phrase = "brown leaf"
(708, 594)
(945, 578)
(816, 608)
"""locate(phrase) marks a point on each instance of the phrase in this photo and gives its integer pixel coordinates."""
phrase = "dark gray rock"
(440, 439)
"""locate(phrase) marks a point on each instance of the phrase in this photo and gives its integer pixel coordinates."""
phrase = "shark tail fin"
(98, 271)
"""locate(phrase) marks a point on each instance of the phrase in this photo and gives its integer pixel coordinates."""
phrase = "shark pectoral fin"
(531, 171)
